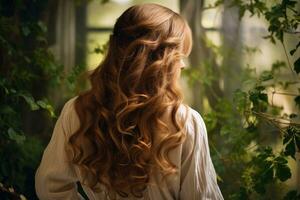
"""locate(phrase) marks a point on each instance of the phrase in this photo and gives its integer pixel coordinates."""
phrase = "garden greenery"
(244, 130)
(27, 70)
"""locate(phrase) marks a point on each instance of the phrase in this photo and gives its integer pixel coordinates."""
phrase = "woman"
(130, 136)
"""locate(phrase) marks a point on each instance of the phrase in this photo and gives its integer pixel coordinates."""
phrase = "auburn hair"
(134, 86)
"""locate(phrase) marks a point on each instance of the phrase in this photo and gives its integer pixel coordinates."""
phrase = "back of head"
(131, 89)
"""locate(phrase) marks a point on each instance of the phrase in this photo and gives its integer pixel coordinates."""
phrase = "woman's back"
(129, 135)
(56, 177)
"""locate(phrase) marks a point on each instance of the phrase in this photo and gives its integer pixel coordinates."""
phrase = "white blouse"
(56, 177)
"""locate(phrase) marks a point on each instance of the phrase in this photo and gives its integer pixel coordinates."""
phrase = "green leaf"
(292, 52)
(26, 31)
(263, 97)
(242, 11)
(46, 106)
(42, 104)
(297, 65)
(289, 3)
(297, 137)
(240, 99)
(30, 100)
(260, 88)
(268, 175)
(253, 96)
(283, 172)
(297, 101)
(13, 135)
(13, 91)
(266, 75)
(292, 137)
(280, 160)
(290, 149)
(99, 50)
(42, 26)
(278, 65)
(266, 153)
(5, 109)
(288, 136)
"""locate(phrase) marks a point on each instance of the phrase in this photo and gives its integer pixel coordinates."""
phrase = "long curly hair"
(122, 136)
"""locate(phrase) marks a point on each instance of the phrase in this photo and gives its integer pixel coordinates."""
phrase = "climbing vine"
(243, 130)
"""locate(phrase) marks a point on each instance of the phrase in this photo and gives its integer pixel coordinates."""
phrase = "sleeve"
(198, 176)
(55, 177)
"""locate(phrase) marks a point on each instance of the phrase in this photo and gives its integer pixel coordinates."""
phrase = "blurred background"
(242, 76)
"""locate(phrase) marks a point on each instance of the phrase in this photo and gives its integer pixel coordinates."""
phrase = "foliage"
(27, 70)
(243, 130)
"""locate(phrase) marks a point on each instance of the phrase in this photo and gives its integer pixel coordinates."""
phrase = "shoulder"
(194, 126)
(69, 116)
(195, 133)
(194, 118)
(69, 105)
